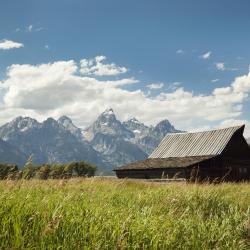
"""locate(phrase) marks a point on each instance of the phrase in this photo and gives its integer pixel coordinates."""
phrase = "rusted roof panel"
(195, 144)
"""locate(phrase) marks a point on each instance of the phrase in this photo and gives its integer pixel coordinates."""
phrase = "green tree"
(43, 172)
(29, 171)
(83, 168)
(6, 170)
(56, 171)
(69, 170)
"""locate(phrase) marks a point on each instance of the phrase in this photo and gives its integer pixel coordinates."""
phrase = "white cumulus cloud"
(220, 66)
(155, 85)
(8, 44)
(97, 67)
(215, 80)
(236, 122)
(206, 55)
(30, 28)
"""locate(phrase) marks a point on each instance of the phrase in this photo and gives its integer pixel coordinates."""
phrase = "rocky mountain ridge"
(107, 142)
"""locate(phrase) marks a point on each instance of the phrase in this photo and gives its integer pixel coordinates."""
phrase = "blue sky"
(195, 45)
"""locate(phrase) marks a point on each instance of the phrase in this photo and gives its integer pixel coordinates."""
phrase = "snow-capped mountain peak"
(107, 123)
(163, 126)
(23, 123)
(107, 117)
(133, 120)
(65, 119)
(67, 123)
(108, 111)
(18, 125)
(138, 128)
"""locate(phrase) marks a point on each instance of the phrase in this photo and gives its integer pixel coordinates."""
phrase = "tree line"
(47, 171)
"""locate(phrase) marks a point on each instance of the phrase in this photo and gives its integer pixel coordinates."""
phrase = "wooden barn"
(221, 154)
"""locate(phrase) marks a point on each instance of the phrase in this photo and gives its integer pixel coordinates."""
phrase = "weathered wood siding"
(152, 173)
(221, 169)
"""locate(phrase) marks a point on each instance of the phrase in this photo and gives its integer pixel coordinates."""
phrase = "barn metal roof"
(159, 163)
(195, 144)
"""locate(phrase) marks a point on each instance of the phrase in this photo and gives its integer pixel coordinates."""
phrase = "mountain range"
(107, 142)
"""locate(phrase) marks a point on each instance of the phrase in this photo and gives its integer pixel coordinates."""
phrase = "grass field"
(119, 214)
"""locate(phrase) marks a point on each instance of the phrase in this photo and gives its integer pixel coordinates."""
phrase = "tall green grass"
(120, 214)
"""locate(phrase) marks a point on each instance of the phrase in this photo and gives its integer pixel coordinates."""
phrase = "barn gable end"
(237, 147)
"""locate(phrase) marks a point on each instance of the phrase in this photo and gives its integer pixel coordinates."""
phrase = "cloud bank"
(57, 88)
